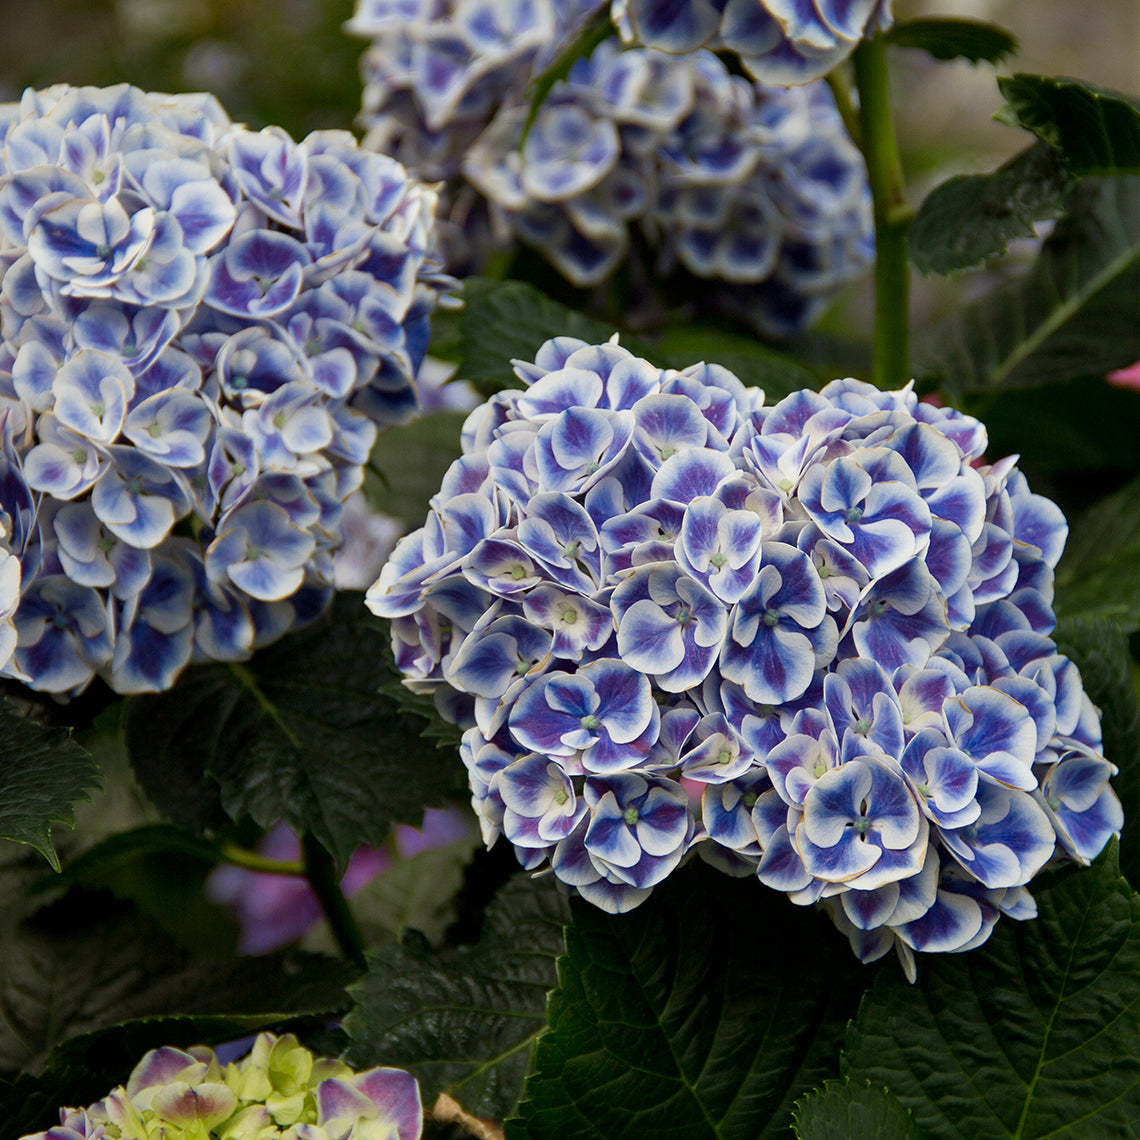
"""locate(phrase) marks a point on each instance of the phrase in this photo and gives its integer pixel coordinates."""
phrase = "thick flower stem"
(252, 861)
(892, 217)
(321, 873)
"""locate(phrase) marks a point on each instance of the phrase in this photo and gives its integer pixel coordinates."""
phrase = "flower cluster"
(810, 641)
(726, 179)
(280, 1091)
(776, 41)
(201, 329)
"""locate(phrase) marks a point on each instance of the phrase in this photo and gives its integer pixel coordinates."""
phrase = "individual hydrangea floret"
(279, 1091)
(636, 156)
(777, 41)
(810, 641)
(202, 330)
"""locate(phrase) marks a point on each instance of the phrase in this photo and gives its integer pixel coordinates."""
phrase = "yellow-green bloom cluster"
(279, 1091)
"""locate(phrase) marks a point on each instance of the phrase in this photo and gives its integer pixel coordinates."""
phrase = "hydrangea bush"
(744, 184)
(810, 641)
(279, 1089)
(203, 328)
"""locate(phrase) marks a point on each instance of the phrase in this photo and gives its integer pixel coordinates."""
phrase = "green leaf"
(970, 219)
(704, 1013)
(71, 968)
(1032, 1035)
(1099, 574)
(1073, 314)
(43, 773)
(411, 461)
(948, 39)
(465, 1022)
(510, 320)
(753, 363)
(302, 733)
(596, 28)
(1070, 427)
(31, 1104)
(1097, 131)
(843, 1110)
(1101, 653)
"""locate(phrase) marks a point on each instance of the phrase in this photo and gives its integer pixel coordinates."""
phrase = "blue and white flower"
(204, 328)
(746, 184)
(685, 622)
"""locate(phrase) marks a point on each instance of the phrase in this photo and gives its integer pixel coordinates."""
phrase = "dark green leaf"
(1080, 424)
(1101, 653)
(31, 1104)
(969, 219)
(411, 461)
(1073, 314)
(303, 734)
(510, 320)
(754, 363)
(465, 1023)
(1032, 1035)
(1097, 131)
(701, 1015)
(1099, 573)
(843, 1110)
(43, 773)
(71, 968)
(947, 39)
(595, 28)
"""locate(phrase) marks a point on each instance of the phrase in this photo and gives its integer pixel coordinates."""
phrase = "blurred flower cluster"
(811, 641)
(637, 152)
(202, 328)
(274, 910)
(280, 1090)
(777, 41)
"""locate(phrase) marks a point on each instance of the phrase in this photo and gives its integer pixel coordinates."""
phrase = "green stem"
(251, 861)
(892, 216)
(321, 873)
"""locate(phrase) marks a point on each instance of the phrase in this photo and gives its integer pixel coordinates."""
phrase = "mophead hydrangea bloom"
(809, 641)
(202, 328)
(637, 152)
(777, 41)
(280, 1091)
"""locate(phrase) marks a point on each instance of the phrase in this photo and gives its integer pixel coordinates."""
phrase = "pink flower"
(274, 910)
(1126, 377)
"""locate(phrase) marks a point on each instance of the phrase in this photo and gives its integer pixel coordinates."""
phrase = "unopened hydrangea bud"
(278, 1090)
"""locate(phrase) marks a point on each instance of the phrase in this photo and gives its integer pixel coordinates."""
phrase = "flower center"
(771, 618)
(561, 796)
(717, 559)
(518, 572)
(854, 514)
(590, 723)
(569, 617)
(630, 816)
(683, 616)
(862, 726)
